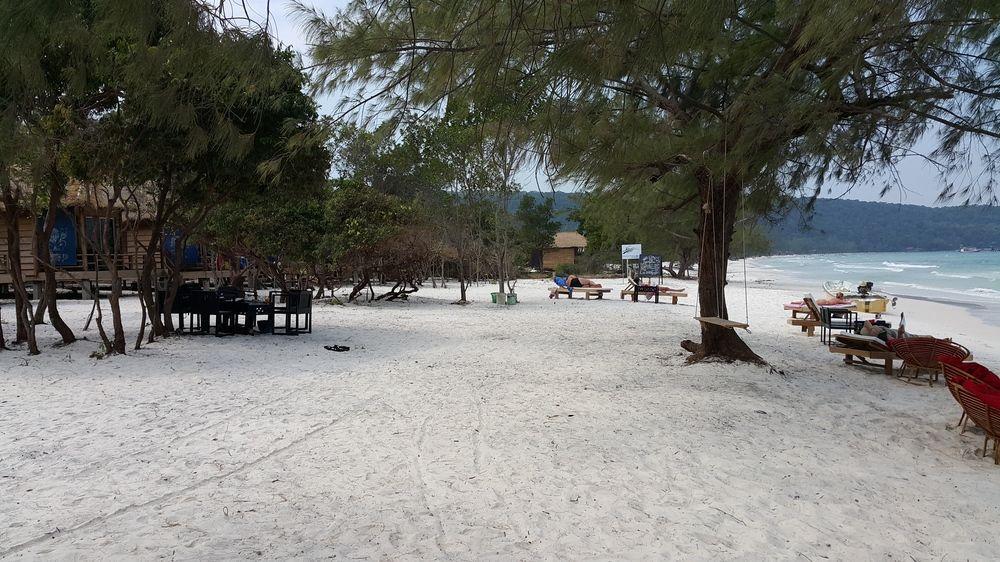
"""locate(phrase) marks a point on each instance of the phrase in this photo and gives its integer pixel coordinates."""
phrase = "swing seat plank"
(724, 322)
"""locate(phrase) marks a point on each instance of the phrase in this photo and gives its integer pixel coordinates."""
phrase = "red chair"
(924, 354)
(955, 375)
(987, 418)
(977, 391)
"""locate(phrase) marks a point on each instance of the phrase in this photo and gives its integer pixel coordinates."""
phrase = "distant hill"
(565, 203)
(845, 225)
(842, 225)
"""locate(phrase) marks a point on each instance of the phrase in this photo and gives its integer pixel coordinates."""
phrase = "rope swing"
(719, 295)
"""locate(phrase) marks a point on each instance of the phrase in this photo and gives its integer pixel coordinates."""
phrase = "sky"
(920, 183)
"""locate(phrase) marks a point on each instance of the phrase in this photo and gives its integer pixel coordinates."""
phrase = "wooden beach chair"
(808, 322)
(922, 354)
(587, 292)
(830, 318)
(958, 373)
(673, 294)
(797, 309)
(853, 346)
(810, 319)
(984, 416)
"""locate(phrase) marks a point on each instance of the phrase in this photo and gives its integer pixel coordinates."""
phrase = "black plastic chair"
(229, 310)
(835, 319)
(294, 306)
(183, 305)
(204, 307)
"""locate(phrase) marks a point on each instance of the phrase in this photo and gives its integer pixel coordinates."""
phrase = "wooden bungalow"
(80, 229)
(565, 248)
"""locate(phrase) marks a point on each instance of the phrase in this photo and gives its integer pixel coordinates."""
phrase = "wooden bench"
(674, 295)
(588, 292)
(808, 325)
(849, 354)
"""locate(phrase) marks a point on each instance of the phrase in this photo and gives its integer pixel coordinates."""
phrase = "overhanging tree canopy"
(745, 101)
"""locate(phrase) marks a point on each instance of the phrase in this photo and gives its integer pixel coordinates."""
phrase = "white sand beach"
(552, 429)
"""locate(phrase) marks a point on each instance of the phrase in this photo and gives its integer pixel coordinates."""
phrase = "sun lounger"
(587, 292)
(797, 308)
(835, 317)
(864, 348)
(807, 324)
(809, 320)
(661, 292)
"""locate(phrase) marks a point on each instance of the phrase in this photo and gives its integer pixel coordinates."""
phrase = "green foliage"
(564, 205)
(637, 215)
(565, 269)
(361, 219)
(536, 228)
(719, 105)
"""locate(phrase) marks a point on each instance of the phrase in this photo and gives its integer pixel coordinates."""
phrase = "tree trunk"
(56, 191)
(108, 248)
(359, 286)
(463, 282)
(25, 330)
(147, 283)
(144, 311)
(100, 323)
(685, 263)
(148, 274)
(39, 315)
(114, 299)
(719, 201)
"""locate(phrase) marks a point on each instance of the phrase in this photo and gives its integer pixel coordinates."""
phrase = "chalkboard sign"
(650, 265)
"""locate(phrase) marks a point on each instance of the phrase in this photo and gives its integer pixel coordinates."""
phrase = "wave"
(909, 265)
(913, 286)
(844, 267)
(981, 292)
(990, 276)
(953, 276)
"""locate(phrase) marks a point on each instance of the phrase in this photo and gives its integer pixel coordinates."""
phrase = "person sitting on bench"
(574, 282)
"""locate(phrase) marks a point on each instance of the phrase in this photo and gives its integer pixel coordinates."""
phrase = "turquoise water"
(972, 278)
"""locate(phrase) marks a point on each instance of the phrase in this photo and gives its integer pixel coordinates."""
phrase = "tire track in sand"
(173, 494)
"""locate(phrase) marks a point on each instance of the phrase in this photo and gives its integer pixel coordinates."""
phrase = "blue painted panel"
(62, 244)
(192, 254)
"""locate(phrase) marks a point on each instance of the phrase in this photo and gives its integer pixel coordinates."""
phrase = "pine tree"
(742, 103)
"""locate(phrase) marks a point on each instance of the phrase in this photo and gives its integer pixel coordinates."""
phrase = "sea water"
(962, 277)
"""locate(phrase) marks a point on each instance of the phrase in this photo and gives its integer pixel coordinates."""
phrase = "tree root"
(729, 355)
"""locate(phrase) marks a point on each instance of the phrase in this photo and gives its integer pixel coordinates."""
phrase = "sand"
(551, 429)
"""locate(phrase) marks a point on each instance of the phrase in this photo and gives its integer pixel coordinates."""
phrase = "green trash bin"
(511, 298)
(495, 297)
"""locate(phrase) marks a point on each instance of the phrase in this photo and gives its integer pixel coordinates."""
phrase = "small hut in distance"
(565, 248)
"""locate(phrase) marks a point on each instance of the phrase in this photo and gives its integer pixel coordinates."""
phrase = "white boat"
(871, 302)
(850, 290)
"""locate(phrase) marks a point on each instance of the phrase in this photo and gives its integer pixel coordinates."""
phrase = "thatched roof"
(569, 239)
(91, 197)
